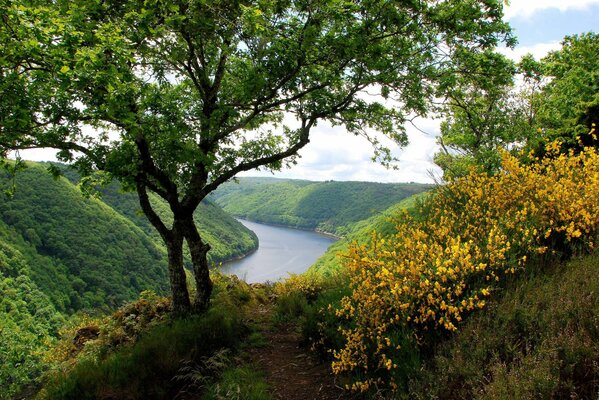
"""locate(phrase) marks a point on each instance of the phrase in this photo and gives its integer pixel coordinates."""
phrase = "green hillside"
(361, 232)
(547, 349)
(105, 258)
(61, 253)
(28, 315)
(324, 206)
(228, 238)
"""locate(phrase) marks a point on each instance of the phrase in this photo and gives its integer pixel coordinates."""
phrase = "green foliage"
(99, 258)
(28, 320)
(568, 103)
(160, 358)
(240, 383)
(558, 98)
(538, 341)
(331, 207)
(482, 116)
(227, 237)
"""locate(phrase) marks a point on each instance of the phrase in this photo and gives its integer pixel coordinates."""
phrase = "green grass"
(239, 383)
(539, 341)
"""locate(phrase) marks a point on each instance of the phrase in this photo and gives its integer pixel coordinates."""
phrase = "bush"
(449, 258)
(547, 348)
(137, 352)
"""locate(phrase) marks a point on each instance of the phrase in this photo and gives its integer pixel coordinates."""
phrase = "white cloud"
(538, 50)
(334, 154)
(526, 8)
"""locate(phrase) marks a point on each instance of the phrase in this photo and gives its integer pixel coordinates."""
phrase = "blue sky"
(540, 25)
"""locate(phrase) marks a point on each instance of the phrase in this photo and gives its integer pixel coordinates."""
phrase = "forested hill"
(361, 232)
(228, 238)
(100, 258)
(97, 253)
(324, 206)
(61, 253)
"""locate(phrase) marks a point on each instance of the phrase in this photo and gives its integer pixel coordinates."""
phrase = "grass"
(540, 341)
(239, 383)
(165, 358)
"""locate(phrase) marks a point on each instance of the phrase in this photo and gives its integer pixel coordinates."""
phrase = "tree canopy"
(555, 98)
(181, 96)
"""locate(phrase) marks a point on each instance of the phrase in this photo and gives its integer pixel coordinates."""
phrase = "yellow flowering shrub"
(309, 285)
(448, 255)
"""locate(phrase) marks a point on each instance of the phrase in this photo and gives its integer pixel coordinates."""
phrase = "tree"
(186, 94)
(484, 113)
(569, 101)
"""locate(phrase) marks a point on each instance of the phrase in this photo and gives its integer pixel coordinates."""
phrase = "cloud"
(538, 50)
(527, 8)
(334, 154)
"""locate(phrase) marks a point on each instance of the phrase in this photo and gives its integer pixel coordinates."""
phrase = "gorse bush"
(450, 255)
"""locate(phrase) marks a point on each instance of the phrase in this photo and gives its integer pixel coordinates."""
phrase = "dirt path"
(291, 371)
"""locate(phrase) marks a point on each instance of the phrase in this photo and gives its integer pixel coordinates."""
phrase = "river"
(281, 251)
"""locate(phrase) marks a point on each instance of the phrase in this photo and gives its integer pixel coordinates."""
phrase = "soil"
(292, 372)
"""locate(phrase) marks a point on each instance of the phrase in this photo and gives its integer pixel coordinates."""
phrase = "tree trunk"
(178, 281)
(199, 251)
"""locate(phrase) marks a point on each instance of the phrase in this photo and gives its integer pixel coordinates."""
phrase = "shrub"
(136, 352)
(448, 258)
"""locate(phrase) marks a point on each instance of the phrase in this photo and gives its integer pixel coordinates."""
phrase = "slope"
(99, 258)
(323, 206)
(228, 238)
(361, 232)
(547, 349)
(28, 316)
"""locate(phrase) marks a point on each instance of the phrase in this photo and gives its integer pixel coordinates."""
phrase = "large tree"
(183, 95)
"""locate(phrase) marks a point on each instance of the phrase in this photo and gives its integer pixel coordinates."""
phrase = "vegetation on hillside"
(61, 253)
(142, 352)
(449, 257)
(228, 238)
(108, 259)
(332, 261)
(331, 207)
(538, 341)
(28, 315)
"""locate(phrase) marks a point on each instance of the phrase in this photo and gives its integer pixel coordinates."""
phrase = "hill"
(228, 238)
(101, 258)
(331, 207)
(103, 251)
(361, 232)
(61, 253)
(28, 315)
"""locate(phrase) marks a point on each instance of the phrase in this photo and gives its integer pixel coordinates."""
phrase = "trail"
(291, 371)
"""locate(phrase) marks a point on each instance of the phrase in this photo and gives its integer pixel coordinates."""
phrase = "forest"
(482, 286)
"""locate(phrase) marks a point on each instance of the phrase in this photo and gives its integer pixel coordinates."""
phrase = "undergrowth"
(141, 352)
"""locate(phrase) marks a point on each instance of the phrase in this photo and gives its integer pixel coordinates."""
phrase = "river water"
(281, 251)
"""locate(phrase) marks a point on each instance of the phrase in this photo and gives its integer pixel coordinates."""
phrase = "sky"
(333, 154)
